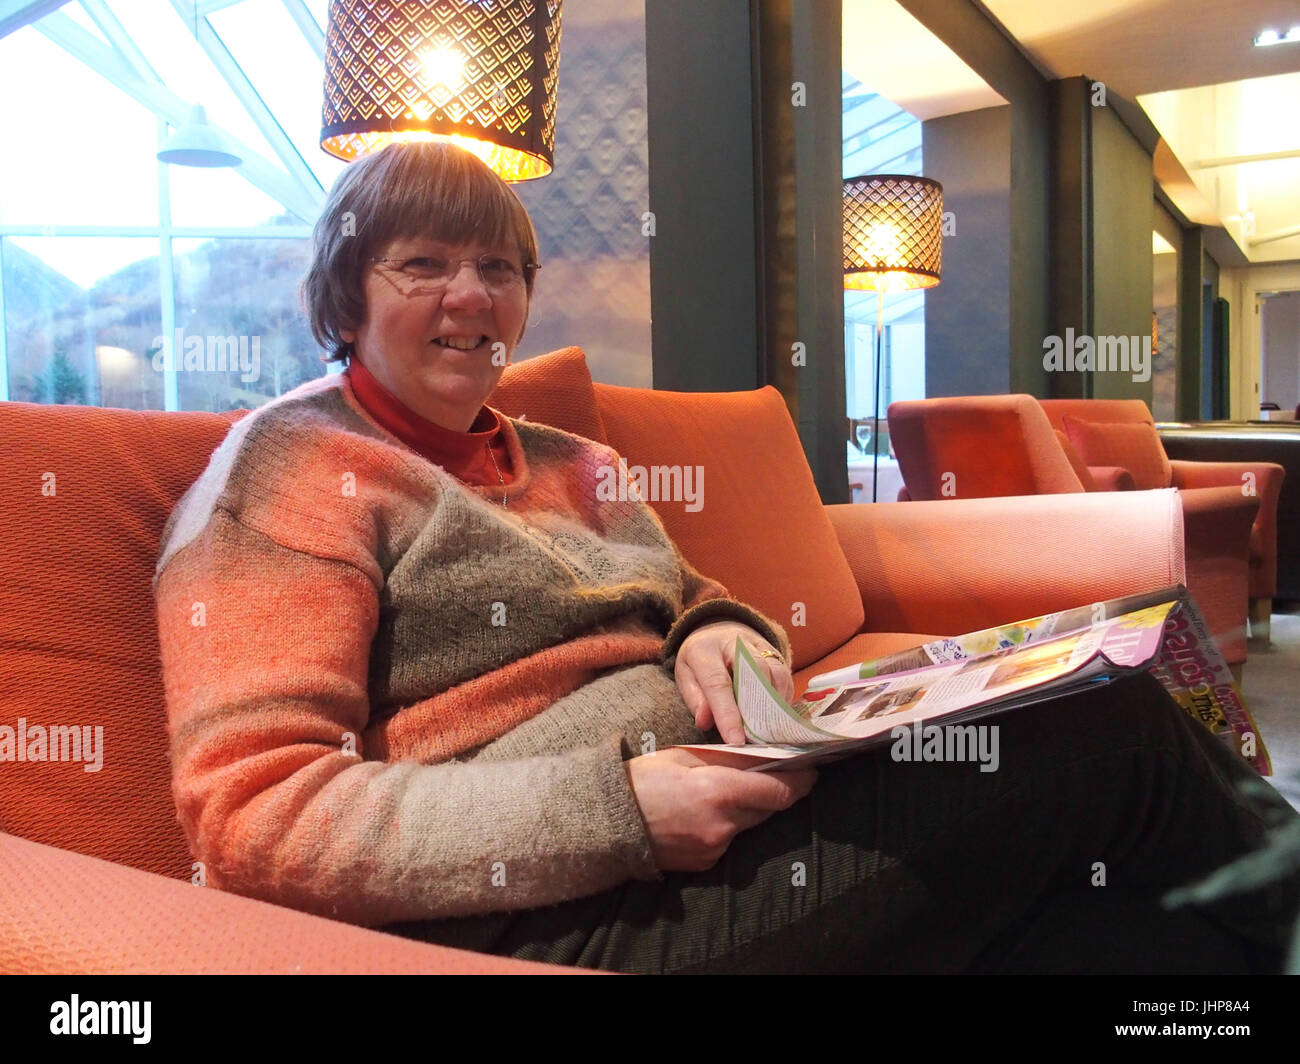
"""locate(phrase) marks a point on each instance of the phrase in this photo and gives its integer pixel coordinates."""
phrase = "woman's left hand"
(703, 673)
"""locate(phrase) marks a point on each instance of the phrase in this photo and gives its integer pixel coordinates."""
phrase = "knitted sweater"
(392, 699)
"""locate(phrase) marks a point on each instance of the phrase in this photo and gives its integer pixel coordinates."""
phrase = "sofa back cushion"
(977, 447)
(758, 525)
(554, 389)
(86, 493)
(1077, 463)
(1134, 446)
(1110, 410)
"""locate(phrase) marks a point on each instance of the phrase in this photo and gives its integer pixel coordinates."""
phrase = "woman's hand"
(703, 674)
(693, 810)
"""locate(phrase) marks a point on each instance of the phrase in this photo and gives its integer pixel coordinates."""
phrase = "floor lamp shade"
(893, 225)
(480, 73)
(893, 242)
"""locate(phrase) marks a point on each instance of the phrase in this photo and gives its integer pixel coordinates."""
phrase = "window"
(109, 258)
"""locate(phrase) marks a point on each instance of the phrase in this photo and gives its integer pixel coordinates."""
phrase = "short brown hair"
(429, 189)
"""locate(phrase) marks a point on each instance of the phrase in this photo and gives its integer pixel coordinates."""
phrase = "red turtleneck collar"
(463, 454)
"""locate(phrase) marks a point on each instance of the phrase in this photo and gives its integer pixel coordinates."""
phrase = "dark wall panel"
(1122, 182)
(967, 318)
(979, 43)
(703, 271)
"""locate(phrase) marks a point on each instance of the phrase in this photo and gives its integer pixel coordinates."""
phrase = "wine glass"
(862, 434)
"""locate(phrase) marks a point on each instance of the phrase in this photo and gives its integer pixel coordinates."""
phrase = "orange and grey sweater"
(389, 697)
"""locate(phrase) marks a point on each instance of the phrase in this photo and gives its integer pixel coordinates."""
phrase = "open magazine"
(895, 699)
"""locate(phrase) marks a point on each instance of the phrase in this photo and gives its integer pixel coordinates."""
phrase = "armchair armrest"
(957, 565)
(1267, 487)
(66, 913)
(1268, 476)
(1112, 478)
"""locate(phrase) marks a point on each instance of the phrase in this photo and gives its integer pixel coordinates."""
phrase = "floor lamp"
(893, 242)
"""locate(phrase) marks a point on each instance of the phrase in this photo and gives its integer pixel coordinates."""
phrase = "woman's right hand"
(693, 810)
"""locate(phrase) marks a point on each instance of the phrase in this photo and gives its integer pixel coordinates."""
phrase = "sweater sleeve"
(705, 600)
(265, 655)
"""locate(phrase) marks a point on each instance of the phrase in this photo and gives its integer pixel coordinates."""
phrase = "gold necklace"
(505, 495)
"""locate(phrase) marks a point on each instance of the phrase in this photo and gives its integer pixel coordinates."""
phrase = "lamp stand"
(875, 414)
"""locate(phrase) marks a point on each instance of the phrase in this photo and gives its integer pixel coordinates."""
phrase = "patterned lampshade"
(480, 73)
(893, 227)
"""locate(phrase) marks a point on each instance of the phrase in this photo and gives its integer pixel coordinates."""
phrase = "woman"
(410, 660)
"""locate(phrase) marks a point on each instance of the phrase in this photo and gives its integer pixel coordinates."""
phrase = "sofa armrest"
(958, 565)
(66, 913)
(1112, 478)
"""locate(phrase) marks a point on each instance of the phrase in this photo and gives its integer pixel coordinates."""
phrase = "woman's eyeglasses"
(429, 273)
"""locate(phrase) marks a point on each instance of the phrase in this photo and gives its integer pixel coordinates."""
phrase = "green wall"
(1122, 185)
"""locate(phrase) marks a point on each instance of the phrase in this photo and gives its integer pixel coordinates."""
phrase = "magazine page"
(1191, 668)
(869, 707)
(857, 713)
(767, 717)
(1136, 638)
(866, 707)
(1194, 673)
(989, 640)
(930, 740)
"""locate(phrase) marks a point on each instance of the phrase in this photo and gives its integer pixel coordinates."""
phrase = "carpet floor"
(1271, 688)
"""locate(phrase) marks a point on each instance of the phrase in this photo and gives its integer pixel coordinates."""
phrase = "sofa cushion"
(1077, 463)
(554, 389)
(758, 525)
(87, 491)
(977, 446)
(1134, 446)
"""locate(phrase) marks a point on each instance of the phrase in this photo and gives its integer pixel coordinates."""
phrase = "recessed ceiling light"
(1270, 36)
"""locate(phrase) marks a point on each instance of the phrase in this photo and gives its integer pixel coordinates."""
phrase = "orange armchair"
(977, 446)
(94, 869)
(1261, 480)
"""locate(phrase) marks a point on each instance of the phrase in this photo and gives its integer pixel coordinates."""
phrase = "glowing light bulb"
(445, 67)
(881, 247)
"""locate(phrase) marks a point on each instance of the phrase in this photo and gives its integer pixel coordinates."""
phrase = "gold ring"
(769, 654)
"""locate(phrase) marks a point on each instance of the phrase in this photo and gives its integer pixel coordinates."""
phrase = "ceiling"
(1218, 101)
(1141, 46)
(893, 54)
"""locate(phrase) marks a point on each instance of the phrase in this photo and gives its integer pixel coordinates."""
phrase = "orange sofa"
(975, 446)
(94, 869)
(1086, 422)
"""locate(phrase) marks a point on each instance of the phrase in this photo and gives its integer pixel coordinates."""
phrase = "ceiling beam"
(306, 23)
(1238, 160)
(1277, 234)
(15, 14)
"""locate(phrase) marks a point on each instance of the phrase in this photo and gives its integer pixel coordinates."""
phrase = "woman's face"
(432, 343)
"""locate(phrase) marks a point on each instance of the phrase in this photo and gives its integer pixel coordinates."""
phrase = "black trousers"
(1056, 862)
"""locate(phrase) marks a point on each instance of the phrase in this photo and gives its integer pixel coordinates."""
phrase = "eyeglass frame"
(528, 269)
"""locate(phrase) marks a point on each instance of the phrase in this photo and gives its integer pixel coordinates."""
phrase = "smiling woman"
(494, 666)
(388, 287)
(436, 656)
